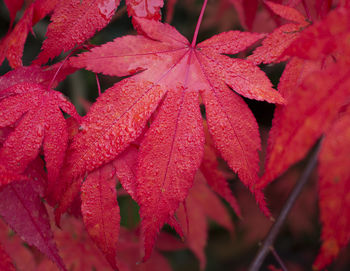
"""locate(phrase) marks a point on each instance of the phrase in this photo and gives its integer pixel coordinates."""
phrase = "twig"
(278, 258)
(265, 248)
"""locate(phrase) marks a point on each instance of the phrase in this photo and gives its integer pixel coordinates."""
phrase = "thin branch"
(278, 258)
(268, 242)
(195, 35)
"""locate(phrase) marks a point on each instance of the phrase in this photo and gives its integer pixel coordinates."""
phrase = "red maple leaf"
(174, 72)
(334, 190)
(35, 112)
(101, 211)
(22, 209)
(297, 126)
(73, 22)
(34, 74)
(12, 45)
(275, 43)
(13, 6)
(327, 37)
(317, 90)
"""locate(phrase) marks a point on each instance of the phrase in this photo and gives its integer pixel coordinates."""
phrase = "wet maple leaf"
(214, 177)
(7, 177)
(174, 73)
(312, 106)
(275, 43)
(35, 111)
(334, 191)
(34, 74)
(101, 211)
(73, 22)
(12, 45)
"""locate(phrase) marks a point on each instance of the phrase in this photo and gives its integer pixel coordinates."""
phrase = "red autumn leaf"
(149, 9)
(317, 99)
(101, 211)
(13, 6)
(334, 191)
(214, 177)
(73, 22)
(327, 37)
(36, 113)
(311, 109)
(7, 177)
(12, 45)
(23, 210)
(170, 153)
(125, 169)
(274, 44)
(5, 261)
(294, 73)
(34, 74)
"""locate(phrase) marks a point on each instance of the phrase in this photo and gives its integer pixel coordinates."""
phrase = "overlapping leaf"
(101, 211)
(35, 111)
(12, 45)
(174, 73)
(274, 44)
(73, 22)
(312, 106)
(34, 74)
(13, 6)
(334, 191)
(214, 177)
(327, 37)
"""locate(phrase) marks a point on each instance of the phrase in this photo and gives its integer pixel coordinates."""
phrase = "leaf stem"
(278, 259)
(195, 35)
(98, 85)
(275, 229)
(59, 68)
(308, 15)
